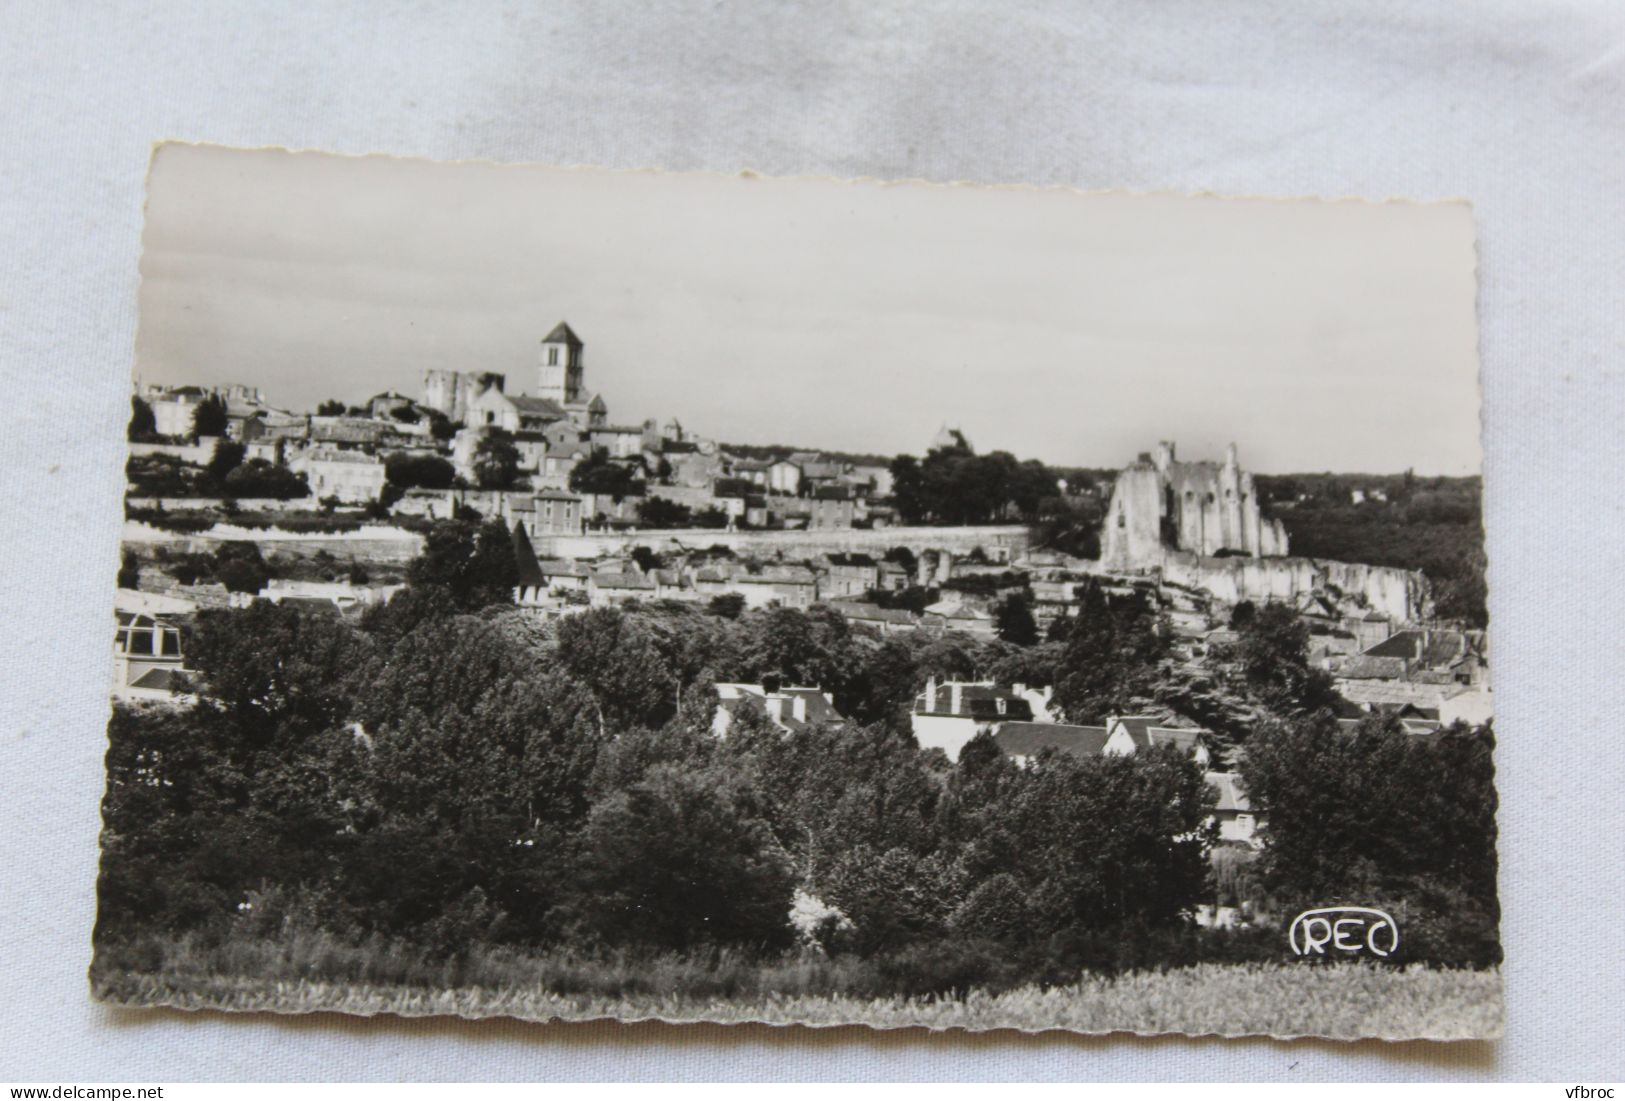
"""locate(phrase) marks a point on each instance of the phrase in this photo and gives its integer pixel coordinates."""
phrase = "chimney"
(954, 691)
(931, 693)
(798, 708)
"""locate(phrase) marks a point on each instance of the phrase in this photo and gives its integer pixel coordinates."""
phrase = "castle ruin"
(1198, 524)
(1161, 504)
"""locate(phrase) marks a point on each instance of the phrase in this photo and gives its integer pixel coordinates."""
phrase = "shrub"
(953, 968)
(996, 911)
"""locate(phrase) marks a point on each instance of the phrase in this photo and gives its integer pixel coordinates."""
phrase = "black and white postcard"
(572, 594)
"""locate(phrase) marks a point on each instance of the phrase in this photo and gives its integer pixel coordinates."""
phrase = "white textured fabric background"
(1518, 107)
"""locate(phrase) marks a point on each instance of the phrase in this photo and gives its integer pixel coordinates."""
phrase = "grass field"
(1281, 1000)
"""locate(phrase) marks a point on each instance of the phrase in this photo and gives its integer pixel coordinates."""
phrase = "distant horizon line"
(888, 455)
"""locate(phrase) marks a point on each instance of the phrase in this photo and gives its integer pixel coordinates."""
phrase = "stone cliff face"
(1403, 595)
(1176, 517)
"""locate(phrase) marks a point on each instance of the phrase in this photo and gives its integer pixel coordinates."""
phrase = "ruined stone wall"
(1000, 543)
(1132, 536)
(1160, 505)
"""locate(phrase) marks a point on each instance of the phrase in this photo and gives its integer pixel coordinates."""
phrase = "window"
(552, 357)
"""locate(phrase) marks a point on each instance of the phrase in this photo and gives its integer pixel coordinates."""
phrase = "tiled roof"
(621, 581)
(333, 455)
(952, 610)
(873, 613)
(1185, 740)
(347, 430)
(1137, 727)
(1426, 648)
(1232, 796)
(815, 707)
(162, 680)
(562, 334)
(1024, 739)
(1369, 667)
(976, 701)
(536, 407)
(1373, 692)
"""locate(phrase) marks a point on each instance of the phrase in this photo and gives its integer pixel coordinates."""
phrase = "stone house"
(621, 441)
(147, 660)
(948, 615)
(784, 477)
(1237, 821)
(1128, 734)
(831, 509)
(753, 471)
(1022, 741)
(790, 708)
(847, 575)
(548, 512)
(947, 715)
(878, 478)
(892, 577)
(791, 586)
(606, 590)
(350, 476)
(494, 408)
(173, 410)
(348, 433)
(887, 621)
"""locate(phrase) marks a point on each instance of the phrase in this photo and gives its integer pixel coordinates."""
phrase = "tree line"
(447, 773)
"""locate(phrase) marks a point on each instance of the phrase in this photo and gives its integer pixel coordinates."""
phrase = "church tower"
(559, 375)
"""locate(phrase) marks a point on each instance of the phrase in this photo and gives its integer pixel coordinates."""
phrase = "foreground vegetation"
(1281, 1000)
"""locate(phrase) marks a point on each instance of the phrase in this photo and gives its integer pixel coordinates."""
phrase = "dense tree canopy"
(419, 471)
(209, 418)
(956, 486)
(600, 474)
(142, 426)
(496, 460)
(1113, 657)
(449, 774)
(1375, 816)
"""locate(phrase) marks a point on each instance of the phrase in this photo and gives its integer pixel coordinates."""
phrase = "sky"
(1076, 328)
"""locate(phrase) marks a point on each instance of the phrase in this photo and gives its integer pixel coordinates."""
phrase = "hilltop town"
(232, 499)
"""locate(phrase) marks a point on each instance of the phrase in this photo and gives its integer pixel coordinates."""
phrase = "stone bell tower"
(559, 375)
